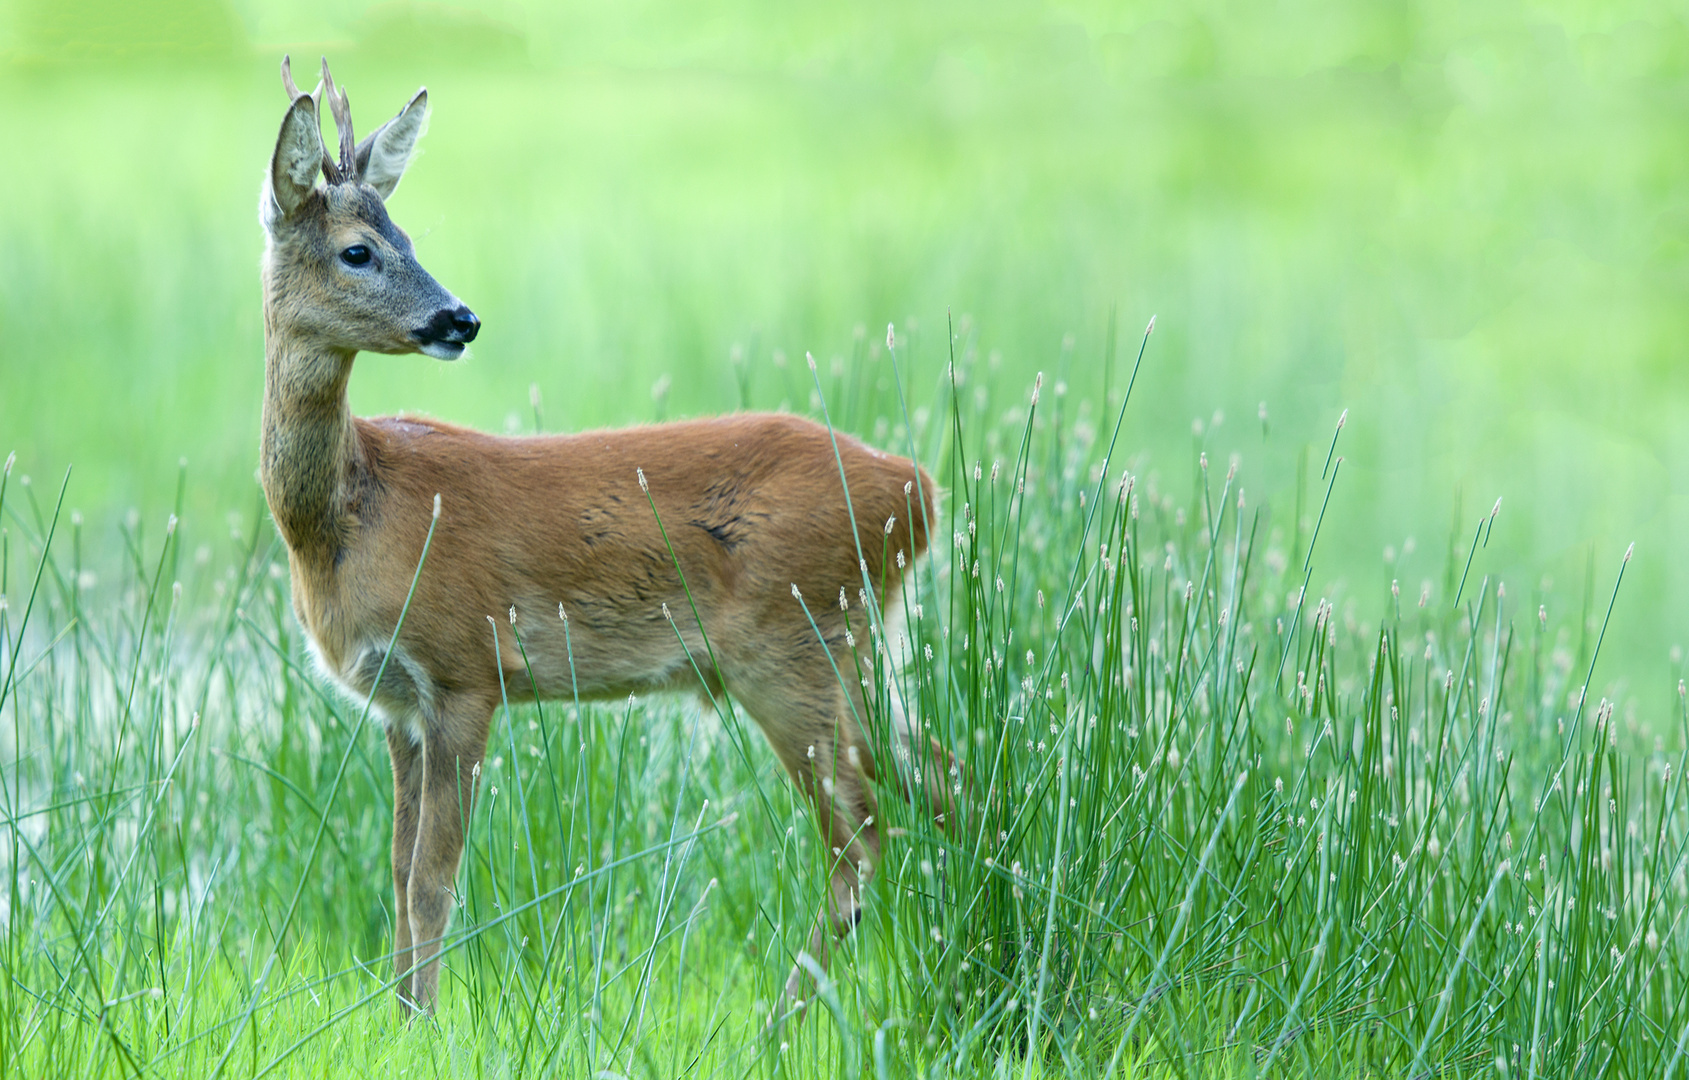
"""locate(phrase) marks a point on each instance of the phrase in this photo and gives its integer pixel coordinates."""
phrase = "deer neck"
(310, 449)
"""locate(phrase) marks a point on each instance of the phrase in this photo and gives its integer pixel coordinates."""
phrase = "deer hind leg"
(811, 726)
(837, 784)
(407, 807)
(452, 749)
(924, 771)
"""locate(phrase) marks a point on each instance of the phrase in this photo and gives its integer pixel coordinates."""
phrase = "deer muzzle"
(445, 335)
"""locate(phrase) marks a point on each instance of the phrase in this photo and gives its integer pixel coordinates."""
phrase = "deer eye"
(356, 255)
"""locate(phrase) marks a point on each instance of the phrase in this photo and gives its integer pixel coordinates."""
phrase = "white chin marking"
(443, 350)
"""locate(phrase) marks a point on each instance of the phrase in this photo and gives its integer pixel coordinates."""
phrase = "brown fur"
(752, 505)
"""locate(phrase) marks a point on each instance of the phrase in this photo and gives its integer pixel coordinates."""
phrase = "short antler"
(287, 78)
(293, 91)
(346, 171)
(331, 172)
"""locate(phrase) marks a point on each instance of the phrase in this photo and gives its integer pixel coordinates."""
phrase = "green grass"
(1210, 825)
(1461, 223)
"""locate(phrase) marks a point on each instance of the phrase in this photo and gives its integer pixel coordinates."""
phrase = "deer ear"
(383, 155)
(298, 158)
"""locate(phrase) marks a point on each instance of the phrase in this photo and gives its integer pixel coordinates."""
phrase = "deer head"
(338, 273)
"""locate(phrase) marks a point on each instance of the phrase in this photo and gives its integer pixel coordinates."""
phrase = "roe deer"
(753, 505)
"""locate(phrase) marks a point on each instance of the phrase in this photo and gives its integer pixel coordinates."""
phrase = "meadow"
(1241, 796)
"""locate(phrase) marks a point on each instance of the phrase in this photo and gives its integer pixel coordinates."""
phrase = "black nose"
(449, 326)
(465, 325)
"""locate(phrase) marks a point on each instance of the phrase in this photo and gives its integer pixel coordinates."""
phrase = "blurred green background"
(1463, 222)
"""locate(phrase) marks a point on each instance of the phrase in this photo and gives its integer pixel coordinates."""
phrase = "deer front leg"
(407, 807)
(451, 768)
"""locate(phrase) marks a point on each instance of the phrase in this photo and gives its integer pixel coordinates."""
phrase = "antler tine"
(348, 141)
(293, 91)
(287, 78)
(342, 111)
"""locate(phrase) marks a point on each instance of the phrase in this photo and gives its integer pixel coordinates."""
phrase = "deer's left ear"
(383, 155)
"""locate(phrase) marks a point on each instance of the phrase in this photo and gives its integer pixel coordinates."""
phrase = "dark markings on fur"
(597, 526)
(726, 533)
